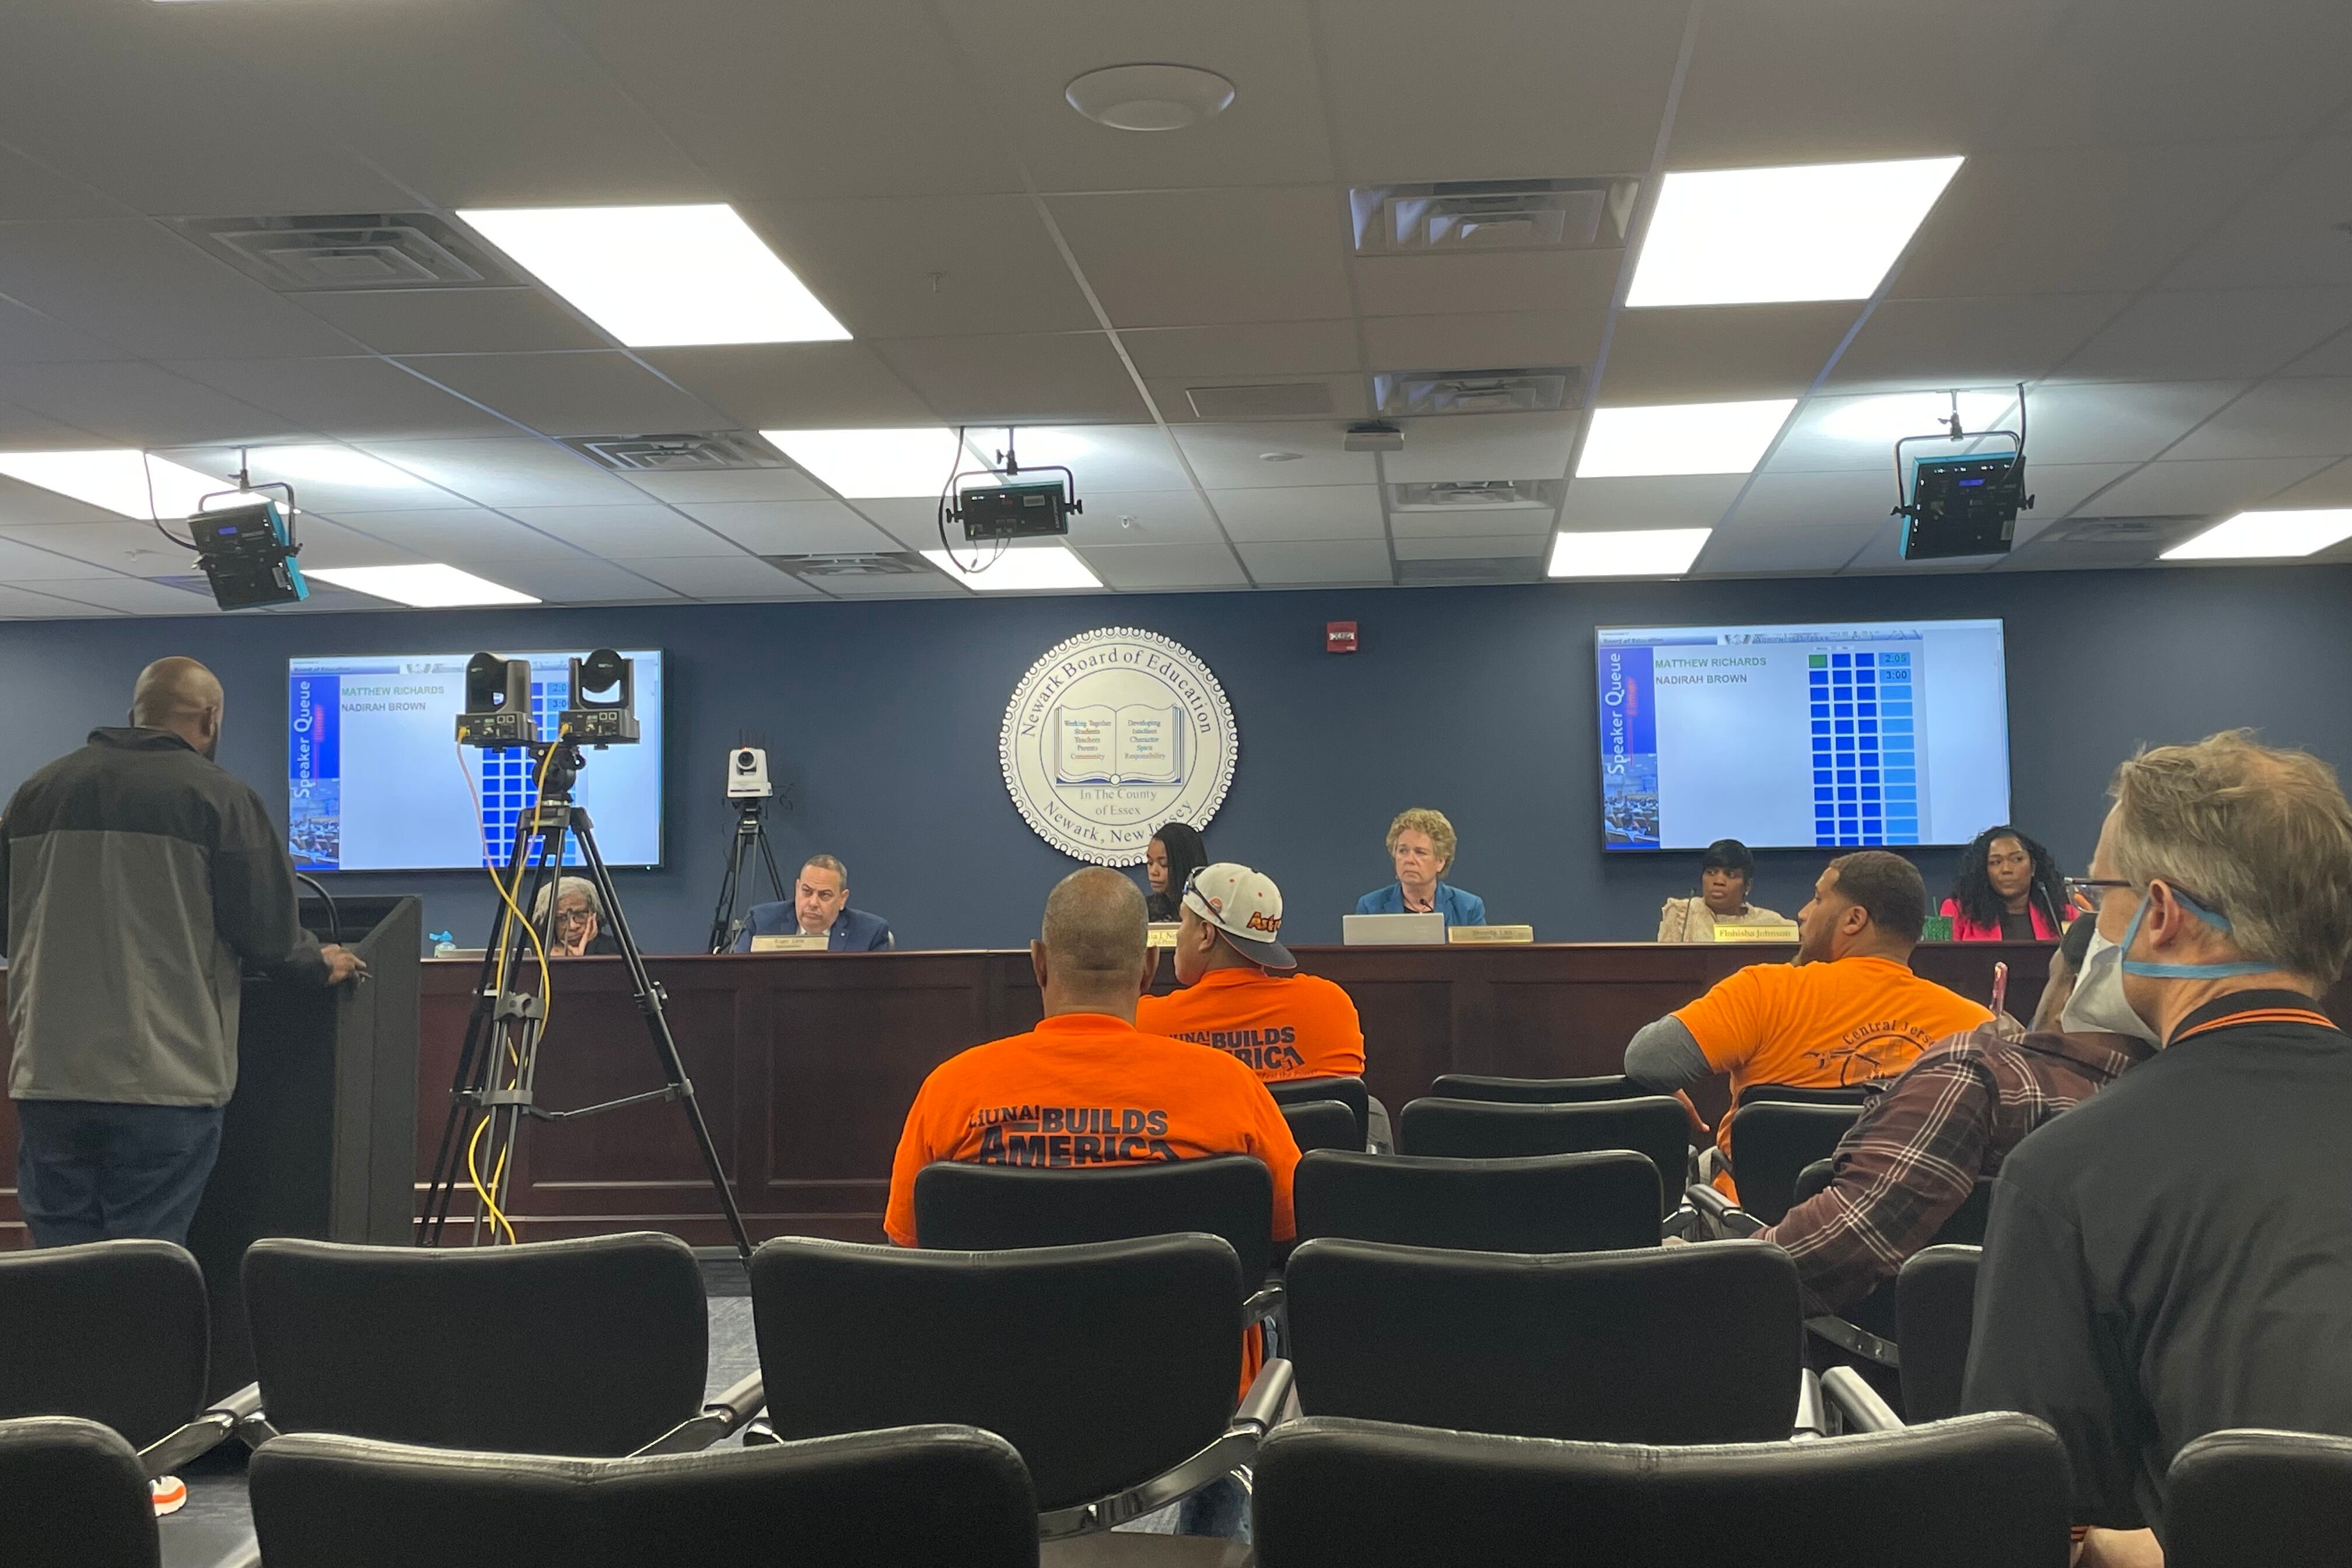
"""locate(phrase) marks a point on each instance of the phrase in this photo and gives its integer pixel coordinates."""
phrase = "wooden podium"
(320, 1136)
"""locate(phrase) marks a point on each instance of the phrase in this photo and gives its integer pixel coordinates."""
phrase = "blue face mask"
(2186, 971)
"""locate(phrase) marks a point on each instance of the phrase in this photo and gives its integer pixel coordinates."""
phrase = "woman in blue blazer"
(1421, 844)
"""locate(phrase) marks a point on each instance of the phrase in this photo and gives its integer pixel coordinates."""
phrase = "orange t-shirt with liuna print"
(1822, 1025)
(1277, 1025)
(1085, 1090)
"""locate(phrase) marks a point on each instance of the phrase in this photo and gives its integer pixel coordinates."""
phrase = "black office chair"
(1349, 1091)
(117, 1332)
(1322, 1124)
(873, 1500)
(1535, 1090)
(990, 1208)
(594, 1348)
(73, 1495)
(1935, 1313)
(1868, 1329)
(1111, 1366)
(1545, 1203)
(1795, 1094)
(2254, 1498)
(1773, 1141)
(1692, 1344)
(1655, 1125)
(1361, 1494)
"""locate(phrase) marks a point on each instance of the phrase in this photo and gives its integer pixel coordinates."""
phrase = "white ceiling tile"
(1482, 447)
(1579, 282)
(2059, 489)
(23, 559)
(1681, 501)
(455, 321)
(2288, 233)
(22, 430)
(1300, 512)
(927, 266)
(458, 535)
(594, 393)
(2331, 358)
(2217, 333)
(137, 404)
(1779, 501)
(23, 505)
(1344, 397)
(1472, 546)
(2117, 422)
(1068, 377)
(795, 386)
(2073, 218)
(28, 337)
(914, 523)
(519, 472)
(619, 532)
(1274, 130)
(23, 603)
(325, 544)
(1495, 88)
(1182, 258)
(730, 484)
(1940, 343)
(2212, 485)
(147, 290)
(1258, 349)
(1340, 560)
(1492, 522)
(27, 189)
(926, 586)
(1231, 457)
(1166, 566)
(2295, 419)
(1742, 546)
(736, 576)
(574, 580)
(1814, 444)
(1101, 457)
(327, 476)
(777, 528)
(2329, 487)
(1135, 518)
(1484, 341)
(340, 397)
(133, 595)
(1723, 353)
(119, 546)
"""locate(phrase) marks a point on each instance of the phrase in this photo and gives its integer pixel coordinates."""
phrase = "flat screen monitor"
(376, 780)
(1837, 735)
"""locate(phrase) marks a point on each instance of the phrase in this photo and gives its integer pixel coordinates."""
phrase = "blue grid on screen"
(508, 779)
(1866, 766)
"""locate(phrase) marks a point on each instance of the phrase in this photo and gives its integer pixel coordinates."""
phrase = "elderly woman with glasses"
(579, 920)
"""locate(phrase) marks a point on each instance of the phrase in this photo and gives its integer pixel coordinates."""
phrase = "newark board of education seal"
(1111, 735)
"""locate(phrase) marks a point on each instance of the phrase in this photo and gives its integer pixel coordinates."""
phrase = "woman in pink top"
(2008, 890)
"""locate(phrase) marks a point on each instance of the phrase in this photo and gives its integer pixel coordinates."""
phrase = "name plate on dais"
(1161, 933)
(791, 942)
(1490, 934)
(1756, 934)
(1111, 735)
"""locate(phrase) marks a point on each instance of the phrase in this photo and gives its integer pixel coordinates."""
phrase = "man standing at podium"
(140, 879)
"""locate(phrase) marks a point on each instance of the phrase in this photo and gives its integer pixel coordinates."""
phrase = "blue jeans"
(89, 1172)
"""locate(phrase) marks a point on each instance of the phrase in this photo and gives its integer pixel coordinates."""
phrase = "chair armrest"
(1728, 1217)
(1856, 1341)
(720, 1417)
(1857, 1404)
(1262, 1407)
(209, 1431)
(1812, 1417)
(1264, 1304)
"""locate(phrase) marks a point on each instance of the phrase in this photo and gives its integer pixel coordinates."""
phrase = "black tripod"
(737, 885)
(499, 1063)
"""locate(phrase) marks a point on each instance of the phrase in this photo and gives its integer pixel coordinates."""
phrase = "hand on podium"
(342, 964)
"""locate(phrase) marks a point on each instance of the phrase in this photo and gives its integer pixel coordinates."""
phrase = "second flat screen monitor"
(1829, 735)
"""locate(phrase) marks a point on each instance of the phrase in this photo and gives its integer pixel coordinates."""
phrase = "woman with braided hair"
(2008, 890)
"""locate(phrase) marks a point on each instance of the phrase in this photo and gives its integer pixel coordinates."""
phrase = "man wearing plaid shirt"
(1927, 1137)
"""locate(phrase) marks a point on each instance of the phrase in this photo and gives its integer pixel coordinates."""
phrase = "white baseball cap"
(1246, 909)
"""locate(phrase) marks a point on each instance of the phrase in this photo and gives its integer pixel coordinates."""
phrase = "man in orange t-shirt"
(1849, 1009)
(1242, 993)
(1086, 1088)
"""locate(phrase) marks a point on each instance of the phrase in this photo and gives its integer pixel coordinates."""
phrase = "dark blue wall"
(1478, 701)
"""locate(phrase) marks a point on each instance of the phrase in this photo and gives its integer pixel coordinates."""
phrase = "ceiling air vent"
(349, 251)
(1471, 569)
(1478, 495)
(1490, 215)
(1402, 394)
(2119, 531)
(851, 563)
(703, 452)
(1294, 398)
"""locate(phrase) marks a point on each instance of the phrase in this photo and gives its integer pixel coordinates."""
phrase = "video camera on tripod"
(603, 710)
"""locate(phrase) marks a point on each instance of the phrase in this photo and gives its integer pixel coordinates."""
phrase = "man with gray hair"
(819, 907)
(2174, 1256)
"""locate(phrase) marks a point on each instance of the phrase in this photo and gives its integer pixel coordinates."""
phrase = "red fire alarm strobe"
(1339, 637)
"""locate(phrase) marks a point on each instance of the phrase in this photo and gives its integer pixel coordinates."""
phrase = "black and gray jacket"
(140, 879)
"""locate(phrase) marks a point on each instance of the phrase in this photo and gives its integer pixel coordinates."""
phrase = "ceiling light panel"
(1681, 438)
(1633, 552)
(662, 276)
(1749, 236)
(130, 483)
(432, 586)
(875, 465)
(2260, 535)
(1014, 571)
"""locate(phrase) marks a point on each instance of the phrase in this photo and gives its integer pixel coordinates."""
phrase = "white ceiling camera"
(747, 774)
